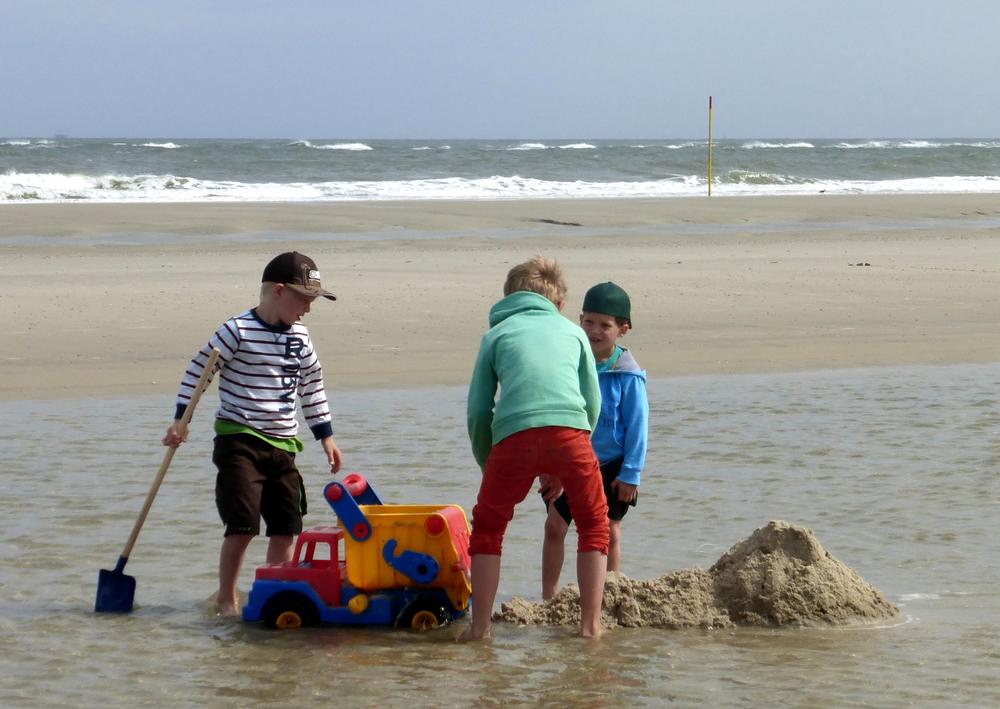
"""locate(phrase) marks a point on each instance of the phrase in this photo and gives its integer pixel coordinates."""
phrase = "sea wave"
(544, 146)
(528, 146)
(333, 146)
(29, 143)
(669, 146)
(915, 144)
(17, 187)
(165, 146)
(758, 144)
(53, 187)
(750, 177)
(864, 145)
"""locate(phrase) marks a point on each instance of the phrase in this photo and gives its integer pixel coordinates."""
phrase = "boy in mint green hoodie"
(539, 426)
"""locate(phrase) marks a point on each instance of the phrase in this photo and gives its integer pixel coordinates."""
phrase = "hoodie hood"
(626, 364)
(521, 302)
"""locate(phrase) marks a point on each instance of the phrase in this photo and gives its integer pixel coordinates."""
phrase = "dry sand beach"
(113, 298)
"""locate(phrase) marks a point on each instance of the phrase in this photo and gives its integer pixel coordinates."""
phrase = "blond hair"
(539, 275)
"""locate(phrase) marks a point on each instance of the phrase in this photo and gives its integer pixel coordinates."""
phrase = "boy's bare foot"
(591, 634)
(469, 635)
(227, 610)
(226, 606)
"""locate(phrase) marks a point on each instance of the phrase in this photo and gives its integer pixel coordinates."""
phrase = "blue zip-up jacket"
(623, 425)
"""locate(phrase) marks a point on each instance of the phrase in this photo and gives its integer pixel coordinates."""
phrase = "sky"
(499, 69)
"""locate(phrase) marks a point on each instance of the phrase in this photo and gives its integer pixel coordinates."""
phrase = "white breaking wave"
(868, 144)
(543, 146)
(333, 146)
(165, 146)
(56, 187)
(918, 144)
(28, 143)
(344, 146)
(982, 144)
(529, 146)
(757, 144)
(669, 146)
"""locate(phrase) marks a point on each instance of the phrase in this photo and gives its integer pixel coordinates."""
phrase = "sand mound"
(780, 575)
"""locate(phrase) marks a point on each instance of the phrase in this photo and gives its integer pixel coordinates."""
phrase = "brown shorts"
(257, 480)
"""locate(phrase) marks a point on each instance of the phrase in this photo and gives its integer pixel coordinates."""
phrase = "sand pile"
(780, 575)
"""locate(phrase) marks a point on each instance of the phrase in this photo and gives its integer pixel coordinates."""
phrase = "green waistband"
(224, 427)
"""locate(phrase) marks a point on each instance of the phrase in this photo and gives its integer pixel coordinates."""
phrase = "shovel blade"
(115, 591)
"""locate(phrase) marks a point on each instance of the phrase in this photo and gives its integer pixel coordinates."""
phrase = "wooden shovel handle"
(169, 455)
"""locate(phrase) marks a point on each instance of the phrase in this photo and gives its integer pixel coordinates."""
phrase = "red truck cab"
(316, 562)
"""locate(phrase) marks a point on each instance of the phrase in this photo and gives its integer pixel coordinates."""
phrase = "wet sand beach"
(113, 298)
(734, 300)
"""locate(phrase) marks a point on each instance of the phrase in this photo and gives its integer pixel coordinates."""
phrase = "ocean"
(894, 469)
(182, 170)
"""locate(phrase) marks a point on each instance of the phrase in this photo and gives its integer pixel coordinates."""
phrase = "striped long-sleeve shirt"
(262, 369)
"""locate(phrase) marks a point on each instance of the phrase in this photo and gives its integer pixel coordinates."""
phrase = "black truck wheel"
(289, 610)
(423, 614)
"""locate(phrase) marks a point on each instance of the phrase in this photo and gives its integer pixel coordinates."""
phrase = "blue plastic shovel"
(115, 589)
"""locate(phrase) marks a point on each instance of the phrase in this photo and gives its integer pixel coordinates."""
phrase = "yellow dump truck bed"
(439, 531)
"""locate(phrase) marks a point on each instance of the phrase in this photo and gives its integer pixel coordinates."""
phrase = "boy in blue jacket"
(619, 439)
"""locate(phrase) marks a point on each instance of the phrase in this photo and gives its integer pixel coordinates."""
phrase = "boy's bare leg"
(614, 545)
(591, 570)
(279, 549)
(485, 580)
(234, 549)
(553, 552)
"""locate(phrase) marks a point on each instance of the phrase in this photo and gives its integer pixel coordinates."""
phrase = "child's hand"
(626, 491)
(550, 487)
(175, 436)
(333, 455)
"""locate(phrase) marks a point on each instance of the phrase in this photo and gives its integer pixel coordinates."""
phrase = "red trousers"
(511, 469)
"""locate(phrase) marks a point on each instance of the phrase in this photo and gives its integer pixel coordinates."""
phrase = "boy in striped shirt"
(267, 361)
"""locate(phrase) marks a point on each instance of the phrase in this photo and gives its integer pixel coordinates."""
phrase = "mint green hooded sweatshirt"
(545, 370)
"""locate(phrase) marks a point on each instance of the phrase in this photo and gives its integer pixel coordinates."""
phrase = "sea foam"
(333, 146)
(56, 187)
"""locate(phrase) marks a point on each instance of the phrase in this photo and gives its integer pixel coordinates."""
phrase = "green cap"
(609, 299)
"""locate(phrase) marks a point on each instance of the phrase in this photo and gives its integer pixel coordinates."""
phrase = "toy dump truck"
(402, 565)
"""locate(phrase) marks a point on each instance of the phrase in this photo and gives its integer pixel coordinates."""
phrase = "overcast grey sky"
(499, 69)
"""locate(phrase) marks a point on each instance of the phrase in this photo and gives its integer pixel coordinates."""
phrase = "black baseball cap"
(298, 272)
(609, 299)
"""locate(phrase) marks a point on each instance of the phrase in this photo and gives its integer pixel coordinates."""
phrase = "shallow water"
(894, 469)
